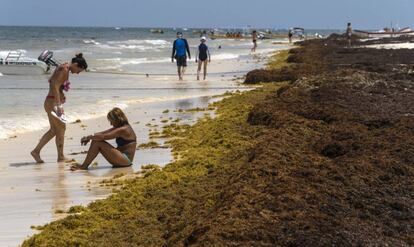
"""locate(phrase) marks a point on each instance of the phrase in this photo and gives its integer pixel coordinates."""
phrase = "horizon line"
(169, 27)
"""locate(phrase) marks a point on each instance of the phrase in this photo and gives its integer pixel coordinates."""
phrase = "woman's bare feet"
(36, 156)
(76, 167)
(66, 160)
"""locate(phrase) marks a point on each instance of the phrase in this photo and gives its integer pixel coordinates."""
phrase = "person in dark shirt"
(349, 34)
(179, 52)
(201, 57)
(254, 39)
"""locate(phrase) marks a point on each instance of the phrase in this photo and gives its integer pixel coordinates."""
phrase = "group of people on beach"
(121, 130)
(180, 51)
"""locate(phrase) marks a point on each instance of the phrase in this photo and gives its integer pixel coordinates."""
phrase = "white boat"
(384, 33)
(16, 64)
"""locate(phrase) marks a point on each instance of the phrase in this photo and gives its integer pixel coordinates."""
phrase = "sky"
(317, 14)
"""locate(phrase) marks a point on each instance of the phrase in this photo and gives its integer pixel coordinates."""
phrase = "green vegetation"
(148, 145)
(76, 209)
(278, 60)
(198, 109)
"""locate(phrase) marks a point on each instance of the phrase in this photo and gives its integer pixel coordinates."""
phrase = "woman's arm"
(59, 76)
(105, 131)
(104, 135)
(187, 47)
(208, 52)
(173, 51)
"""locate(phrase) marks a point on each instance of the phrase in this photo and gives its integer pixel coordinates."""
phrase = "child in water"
(202, 54)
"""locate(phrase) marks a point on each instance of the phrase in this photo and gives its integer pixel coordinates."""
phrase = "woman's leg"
(205, 69)
(199, 69)
(43, 141)
(111, 154)
(59, 129)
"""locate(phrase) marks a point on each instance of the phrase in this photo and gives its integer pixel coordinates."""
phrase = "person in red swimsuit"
(58, 82)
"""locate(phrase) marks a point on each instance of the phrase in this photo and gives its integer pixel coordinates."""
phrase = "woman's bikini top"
(122, 142)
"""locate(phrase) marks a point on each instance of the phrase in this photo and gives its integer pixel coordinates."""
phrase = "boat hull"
(365, 34)
(23, 68)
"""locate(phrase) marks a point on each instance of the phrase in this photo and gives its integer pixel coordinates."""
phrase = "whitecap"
(90, 41)
(224, 56)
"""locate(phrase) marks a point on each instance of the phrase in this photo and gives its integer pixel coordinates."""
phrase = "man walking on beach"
(349, 34)
(290, 35)
(180, 48)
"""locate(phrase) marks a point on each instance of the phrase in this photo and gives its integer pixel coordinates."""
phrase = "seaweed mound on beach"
(264, 75)
(342, 151)
(317, 56)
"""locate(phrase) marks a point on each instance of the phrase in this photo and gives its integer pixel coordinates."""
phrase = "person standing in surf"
(254, 39)
(202, 54)
(349, 34)
(179, 52)
(58, 82)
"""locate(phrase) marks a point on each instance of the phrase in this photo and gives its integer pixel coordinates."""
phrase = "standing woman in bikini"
(58, 82)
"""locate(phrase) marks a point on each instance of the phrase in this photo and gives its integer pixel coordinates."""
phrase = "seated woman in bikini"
(124, 135)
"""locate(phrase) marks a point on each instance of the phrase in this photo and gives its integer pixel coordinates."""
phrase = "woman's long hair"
(117, 117)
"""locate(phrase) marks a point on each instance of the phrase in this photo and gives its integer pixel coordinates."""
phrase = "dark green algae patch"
(164, 207)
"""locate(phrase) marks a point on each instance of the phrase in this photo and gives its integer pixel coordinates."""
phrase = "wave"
(136, 44)
(10, 127)
(117, 63)
(90, 41)
(128, 47)
(224, 56)
(133, 61)
(159, 42)
(18, 125)
(4, 53)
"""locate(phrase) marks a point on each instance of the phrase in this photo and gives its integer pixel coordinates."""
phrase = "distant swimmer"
(53, 105)
(349, 34)
(254, 39)
(202, 54)
(179, 52)
(125, 138)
